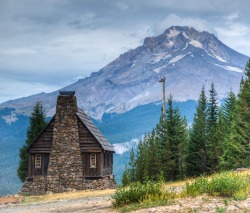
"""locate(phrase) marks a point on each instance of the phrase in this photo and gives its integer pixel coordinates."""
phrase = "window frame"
(92, 160)
(38, 161)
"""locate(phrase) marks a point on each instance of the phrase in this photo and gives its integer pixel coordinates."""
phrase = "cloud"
(51, 42)
(234, 33)
(18, 89)
(175, 20)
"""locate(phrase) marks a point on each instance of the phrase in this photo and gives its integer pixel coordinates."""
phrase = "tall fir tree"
(37, 123)
(140, 161)
(214, 146)
(151, 169)
(240, 138)
(197, 147)
(184, 139)
(228, 116)
(175, 138)
(162, 144)
(132, 165)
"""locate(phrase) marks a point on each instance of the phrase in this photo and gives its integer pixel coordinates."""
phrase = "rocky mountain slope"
(187, 58)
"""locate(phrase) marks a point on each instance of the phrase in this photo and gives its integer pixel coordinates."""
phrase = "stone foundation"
(39, 185)
(34, 186)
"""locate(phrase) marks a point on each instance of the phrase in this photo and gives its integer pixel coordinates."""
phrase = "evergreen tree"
(228, 116)
(139, 162)
(174, 140)
(132, 166)
(152, 157)
(126, 177)
(214, 147)
(164, 152)
(239, 145)
(196, 151)
(184, 139)
(37, 123)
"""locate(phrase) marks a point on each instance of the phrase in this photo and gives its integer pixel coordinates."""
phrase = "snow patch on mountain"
(173, 33)
(120, 148)
(169, 44)
(196, 44)
(216, 57)
(159, 69)
(178, 58)
(230, 68)
(158, 57)
(134, 63)
(185, 47)
(193, 42)
(219, 58)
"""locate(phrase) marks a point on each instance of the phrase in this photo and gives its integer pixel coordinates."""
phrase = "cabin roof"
(94, 130)
(41, 132)
(89, 125)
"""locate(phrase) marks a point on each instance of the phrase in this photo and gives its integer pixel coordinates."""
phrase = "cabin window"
(92, 160)
(38, 161)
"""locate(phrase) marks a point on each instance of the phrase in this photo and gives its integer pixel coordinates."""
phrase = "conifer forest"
(218, 140)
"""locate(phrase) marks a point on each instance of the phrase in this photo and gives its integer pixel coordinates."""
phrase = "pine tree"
(139, 162)
(37, 123)
(174, 139)
(228, 116)
(126, 177)
(184, 138)
(197, 147)
(240, 138)
(132, 166)
(213, 146)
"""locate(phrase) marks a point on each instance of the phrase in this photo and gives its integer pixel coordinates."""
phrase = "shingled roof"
(94, 130)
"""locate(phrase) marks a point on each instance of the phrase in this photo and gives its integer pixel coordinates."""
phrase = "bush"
(198, 187)
(137, 193)
(224, 184)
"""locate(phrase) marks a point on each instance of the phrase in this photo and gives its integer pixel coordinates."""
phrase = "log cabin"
(70, 153)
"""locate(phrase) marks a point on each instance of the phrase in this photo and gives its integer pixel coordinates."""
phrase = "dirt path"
(77, 203)
(202, 204)
(89, 204)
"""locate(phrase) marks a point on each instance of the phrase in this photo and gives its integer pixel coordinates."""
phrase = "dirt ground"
(101, 202)
(10, 200)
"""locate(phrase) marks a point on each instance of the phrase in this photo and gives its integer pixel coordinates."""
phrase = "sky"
(48, 44)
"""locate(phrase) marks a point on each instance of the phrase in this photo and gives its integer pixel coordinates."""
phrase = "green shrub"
(137, 193)
(198, 187)
(223, 184)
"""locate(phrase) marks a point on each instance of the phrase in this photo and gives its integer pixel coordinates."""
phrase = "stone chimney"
(66, 105)
(65, 167)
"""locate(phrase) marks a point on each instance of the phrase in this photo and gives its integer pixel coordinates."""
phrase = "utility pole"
(163, 80)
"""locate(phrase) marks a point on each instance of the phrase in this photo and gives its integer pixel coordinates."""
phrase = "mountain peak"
(187, 58)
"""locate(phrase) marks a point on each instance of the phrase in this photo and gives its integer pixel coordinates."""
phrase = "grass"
(227, 185)
(224, 184)
(67, 195)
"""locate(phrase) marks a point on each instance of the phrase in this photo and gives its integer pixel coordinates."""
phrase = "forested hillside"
(218, 139)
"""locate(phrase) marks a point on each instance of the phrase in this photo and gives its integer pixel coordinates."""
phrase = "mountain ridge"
(187, 58)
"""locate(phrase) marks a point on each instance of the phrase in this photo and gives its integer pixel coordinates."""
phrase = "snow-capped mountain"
(187, 58)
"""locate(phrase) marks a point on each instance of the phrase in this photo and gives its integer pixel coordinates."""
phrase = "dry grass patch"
(68, 195)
